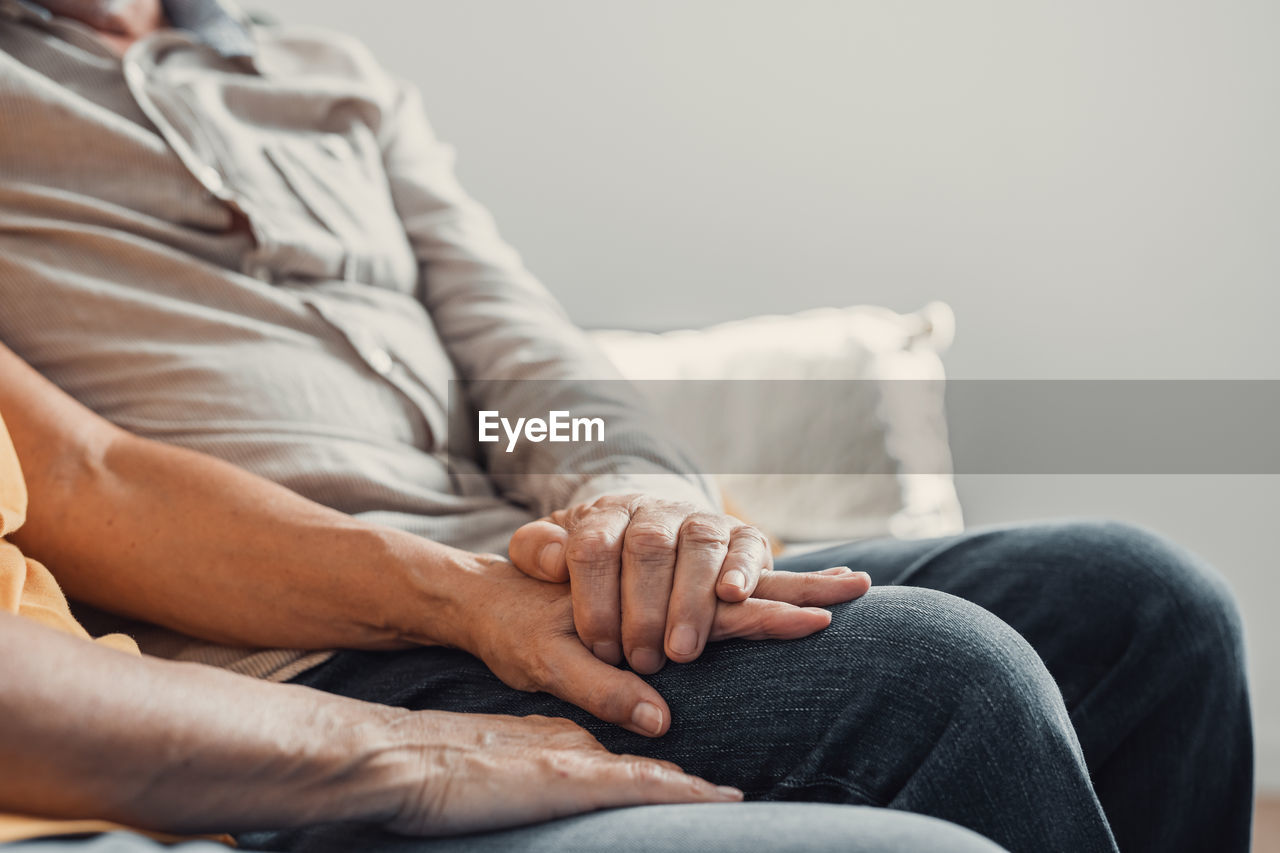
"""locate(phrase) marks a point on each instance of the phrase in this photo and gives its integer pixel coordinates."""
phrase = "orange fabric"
(29, 590)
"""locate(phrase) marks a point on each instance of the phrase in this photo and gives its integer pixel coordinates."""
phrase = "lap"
(841, 716)
(1063, 595)
(1061, 599)
(763, 716)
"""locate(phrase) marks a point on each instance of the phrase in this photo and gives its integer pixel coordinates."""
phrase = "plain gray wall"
(1093, 186)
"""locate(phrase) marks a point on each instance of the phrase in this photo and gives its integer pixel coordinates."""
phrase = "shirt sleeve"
(498, 322)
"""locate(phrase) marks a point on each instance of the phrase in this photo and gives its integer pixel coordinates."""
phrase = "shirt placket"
(198, 150)
(380, 358)
(205, 167)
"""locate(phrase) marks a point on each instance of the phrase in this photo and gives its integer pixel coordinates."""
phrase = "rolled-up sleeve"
(500, 324)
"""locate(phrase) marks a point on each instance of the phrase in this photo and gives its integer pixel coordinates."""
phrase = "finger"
(593, 554)
(648, 565)
(704, 542)
(749, 556)
(817, 589)
(538, 550)
(671, 765)
(627, 780)
(611, 694)
(756, 619)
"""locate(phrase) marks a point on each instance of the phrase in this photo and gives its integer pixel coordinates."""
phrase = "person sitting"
(238, 280)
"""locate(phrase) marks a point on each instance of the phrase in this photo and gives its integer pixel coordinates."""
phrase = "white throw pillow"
(870, 429)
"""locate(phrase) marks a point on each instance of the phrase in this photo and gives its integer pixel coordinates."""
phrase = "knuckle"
(559, 723)
(647, 773)
(570, 732)
(750, 538)
(704, 531)
(561, 763)
(593, 549)
(582, 739)
(650, 542)
(572, 517)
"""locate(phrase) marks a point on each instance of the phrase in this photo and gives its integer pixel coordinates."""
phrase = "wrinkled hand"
(473, 772)
(523, 629)
(646, 574)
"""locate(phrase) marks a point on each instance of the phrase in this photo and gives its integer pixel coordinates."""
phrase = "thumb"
(537, 549)
(604, 691)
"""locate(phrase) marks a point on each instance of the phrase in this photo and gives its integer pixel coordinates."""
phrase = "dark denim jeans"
(1055, 687)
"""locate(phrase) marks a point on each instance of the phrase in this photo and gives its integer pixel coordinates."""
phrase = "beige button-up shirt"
(267, 257)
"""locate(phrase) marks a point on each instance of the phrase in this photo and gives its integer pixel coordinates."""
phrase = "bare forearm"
(91, 732)
(187, 541)
(193, 543)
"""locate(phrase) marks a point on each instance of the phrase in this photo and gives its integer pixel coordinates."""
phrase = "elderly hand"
(481, 772)
(523, 629)
(646, 574)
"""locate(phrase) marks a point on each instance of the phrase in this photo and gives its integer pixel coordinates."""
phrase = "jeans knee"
(950, 651)
(903, 678)
(1155, 587)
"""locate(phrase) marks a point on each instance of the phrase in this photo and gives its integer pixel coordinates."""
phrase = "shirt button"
(381, 361)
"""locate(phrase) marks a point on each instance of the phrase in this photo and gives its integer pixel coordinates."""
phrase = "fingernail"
(607, 651)
(863, 575)
(684, 640)
(835, 570)
(735, 577)
(729, 793)
(647, 717)
(549, 558)
(646, 661)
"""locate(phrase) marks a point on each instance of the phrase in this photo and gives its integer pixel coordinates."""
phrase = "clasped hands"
(640, 579)
(624, 578)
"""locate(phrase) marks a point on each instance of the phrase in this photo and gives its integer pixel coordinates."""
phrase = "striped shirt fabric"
(263, 254)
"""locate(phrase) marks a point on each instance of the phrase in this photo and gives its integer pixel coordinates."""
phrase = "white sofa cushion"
(870, 429)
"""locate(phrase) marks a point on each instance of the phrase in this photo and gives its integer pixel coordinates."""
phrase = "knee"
(943, 652)
(1143, 582)
(899, 672)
